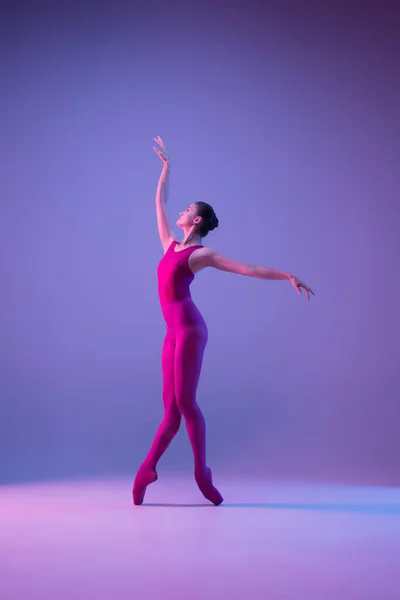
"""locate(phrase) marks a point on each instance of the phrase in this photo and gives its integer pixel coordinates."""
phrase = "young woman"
(186, 335)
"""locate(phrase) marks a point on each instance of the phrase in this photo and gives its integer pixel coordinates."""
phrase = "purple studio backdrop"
(284, 116)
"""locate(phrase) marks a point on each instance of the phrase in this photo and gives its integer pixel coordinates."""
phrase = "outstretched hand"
(162, 153)
(299, 285)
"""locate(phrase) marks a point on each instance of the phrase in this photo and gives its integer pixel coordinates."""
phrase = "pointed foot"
(143, 478)
(209, 491)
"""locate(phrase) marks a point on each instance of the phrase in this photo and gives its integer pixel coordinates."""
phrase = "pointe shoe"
(209, 491)
(144, 477)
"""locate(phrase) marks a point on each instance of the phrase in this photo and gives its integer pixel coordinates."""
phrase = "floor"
(85, 539)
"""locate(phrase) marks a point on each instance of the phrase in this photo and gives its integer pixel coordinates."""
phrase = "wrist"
(164, 174)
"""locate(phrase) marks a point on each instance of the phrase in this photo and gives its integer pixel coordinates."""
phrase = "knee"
(189, 409)
(173, 419)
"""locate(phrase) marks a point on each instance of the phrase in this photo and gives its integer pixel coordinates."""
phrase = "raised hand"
(162, 153)
(299, 285)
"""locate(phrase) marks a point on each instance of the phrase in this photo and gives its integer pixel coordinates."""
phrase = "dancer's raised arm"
(166, 236)
(207, 257)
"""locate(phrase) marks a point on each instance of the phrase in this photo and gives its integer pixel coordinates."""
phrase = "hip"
(182, 313)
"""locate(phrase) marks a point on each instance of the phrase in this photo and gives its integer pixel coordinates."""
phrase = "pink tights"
(182, 358)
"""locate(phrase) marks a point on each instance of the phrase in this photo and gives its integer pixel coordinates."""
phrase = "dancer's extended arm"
(166, 236)
(209, 258)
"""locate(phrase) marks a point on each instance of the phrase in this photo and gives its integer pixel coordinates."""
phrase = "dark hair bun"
(213, 222)
(209, 220)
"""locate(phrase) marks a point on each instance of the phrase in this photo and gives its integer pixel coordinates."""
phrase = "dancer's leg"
(172, 416)
(188, 361)
(168, 428)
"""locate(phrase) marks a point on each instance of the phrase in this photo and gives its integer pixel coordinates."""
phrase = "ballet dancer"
(186, 334)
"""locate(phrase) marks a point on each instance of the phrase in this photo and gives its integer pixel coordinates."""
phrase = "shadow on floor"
(383, 509)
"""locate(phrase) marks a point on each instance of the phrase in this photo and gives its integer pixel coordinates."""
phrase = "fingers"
(160, 154)
(163, 158)
(306, 289)
(163, 154)
(308, 292)
(299, 286)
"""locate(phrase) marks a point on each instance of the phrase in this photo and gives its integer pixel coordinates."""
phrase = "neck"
(190, 237)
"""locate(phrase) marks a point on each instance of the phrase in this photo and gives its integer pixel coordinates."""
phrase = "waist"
(168, 296)
(182, 312)
(174, 288)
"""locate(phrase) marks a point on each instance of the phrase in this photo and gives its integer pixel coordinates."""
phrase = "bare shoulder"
(207, 257)
(200, 258)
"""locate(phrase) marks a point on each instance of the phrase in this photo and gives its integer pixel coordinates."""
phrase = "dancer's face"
(188, 217)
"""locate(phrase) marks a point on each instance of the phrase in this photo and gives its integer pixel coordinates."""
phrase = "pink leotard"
(174, 274)
(182, 357)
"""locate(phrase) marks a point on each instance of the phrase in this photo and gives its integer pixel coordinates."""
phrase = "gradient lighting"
(292, 137)
(285, 118)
